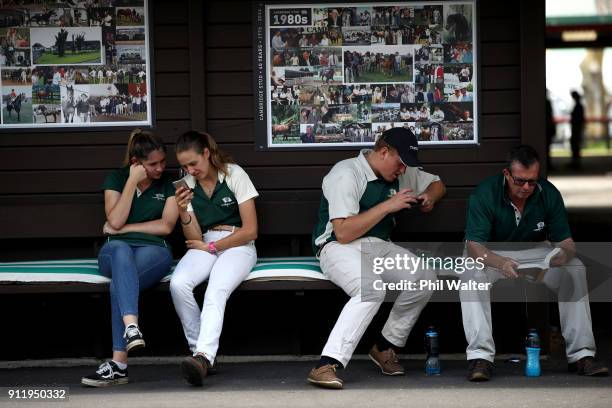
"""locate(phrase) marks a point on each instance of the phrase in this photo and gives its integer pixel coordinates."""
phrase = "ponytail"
(198, 141)
(141, 144)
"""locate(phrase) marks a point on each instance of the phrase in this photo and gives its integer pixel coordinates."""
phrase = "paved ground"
(273, 384)
(585, 191)
(587, 188)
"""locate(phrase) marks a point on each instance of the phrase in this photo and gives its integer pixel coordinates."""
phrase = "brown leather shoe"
(325, 377)
(194, 369)
(479, 370)
(387, 361)
(588, 366)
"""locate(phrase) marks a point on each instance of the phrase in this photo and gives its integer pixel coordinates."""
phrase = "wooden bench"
(292, 274)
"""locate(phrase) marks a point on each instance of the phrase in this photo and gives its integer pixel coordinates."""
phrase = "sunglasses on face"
(521, 181)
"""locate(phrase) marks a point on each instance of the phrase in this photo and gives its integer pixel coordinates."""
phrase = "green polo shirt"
(146, 206)
(491, 217)
(231, 190)
(375, 193)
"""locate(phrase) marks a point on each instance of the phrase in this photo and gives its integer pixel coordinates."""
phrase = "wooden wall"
(203, 79)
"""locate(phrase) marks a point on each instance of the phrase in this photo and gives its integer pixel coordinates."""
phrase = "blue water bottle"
(432, 364)
(532, 351)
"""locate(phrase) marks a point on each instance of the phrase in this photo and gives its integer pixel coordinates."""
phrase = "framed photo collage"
(337, 75)
(74, 64)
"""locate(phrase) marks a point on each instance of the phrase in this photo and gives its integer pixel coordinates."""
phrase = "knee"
(575, 268)
(216, 296)
(179, 285)
(375, 293)
(114, 250)
(115, 246)
(429, 275)
(378, 296)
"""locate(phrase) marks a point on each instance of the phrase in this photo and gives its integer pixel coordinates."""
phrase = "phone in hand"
(180, 183)
(418, 203)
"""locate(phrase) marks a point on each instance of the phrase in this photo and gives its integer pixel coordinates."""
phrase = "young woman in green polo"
(219, 221)
(140, 211)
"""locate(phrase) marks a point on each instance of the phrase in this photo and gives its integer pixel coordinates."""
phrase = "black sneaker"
(133, 337)
(195, 369)
(106, 375)
(589, 367)
(479, 370)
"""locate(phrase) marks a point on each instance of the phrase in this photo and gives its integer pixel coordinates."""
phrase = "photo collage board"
(74, 64)
(341, 74)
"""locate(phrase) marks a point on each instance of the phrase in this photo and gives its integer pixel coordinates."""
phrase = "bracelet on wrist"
(188, 222)
(212, 248)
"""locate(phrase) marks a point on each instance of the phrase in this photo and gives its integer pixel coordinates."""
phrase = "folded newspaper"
(534, 269)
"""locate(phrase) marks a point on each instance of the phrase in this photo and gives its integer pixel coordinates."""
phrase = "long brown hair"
(198, 141)
(140, 144)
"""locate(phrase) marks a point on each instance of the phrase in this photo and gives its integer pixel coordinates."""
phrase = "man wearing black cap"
(360, 197)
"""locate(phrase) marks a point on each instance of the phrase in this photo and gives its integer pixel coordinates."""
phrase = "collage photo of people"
(73, 63)
(355, 71)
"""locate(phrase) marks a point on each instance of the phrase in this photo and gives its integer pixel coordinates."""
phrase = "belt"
(229, 228)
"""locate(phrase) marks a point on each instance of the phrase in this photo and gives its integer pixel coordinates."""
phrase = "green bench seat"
(74, 274)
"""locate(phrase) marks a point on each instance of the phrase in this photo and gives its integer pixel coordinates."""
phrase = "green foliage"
(80, 41)
(60, 42)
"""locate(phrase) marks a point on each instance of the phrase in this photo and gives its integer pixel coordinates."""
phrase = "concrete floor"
(585, 191)
(274, 384)
(587, 188)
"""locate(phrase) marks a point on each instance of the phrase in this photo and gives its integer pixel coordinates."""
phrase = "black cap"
(405, 142)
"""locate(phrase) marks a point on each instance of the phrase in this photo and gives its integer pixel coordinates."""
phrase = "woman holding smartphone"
(219, 222)
(140, 211)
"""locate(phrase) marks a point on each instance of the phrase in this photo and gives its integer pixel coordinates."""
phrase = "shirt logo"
(392, 192)
(539, 226)
(160, 197)
(227, 201)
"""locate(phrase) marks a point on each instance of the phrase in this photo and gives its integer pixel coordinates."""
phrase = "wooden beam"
(197, 83)
(533, 76)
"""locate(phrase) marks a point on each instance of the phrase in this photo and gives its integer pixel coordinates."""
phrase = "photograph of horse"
(17, 105)
(47, 113)
(68, 104)
(47, 93)
(130, 16)
(378, 64)
(457, 23)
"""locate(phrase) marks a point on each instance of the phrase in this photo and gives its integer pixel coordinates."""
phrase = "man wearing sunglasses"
(361, 196)
(517, 206)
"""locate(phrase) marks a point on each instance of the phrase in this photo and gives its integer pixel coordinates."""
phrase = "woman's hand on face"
(196, 244)
(108, 230)
(183, 198)
(137, 172)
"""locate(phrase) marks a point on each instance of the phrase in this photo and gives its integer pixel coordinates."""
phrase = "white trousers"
(568, 281)
(225, 272)
(341, 263)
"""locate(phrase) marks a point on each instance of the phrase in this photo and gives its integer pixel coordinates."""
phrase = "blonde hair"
(140, 144)
(198, 141)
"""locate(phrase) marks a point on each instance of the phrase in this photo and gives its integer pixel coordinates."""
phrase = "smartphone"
(418, 203)
(180, 183)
